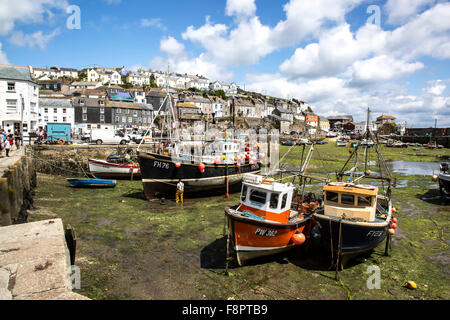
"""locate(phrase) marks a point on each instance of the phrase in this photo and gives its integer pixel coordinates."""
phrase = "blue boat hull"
(92, 183)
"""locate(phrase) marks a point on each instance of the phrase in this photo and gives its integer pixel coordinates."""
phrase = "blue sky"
(322, 51)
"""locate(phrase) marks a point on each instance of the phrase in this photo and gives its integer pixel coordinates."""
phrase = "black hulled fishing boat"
(161, 171)
(444, 178)
(355, 217)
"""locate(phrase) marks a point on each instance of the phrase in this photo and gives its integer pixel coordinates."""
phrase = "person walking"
(8, 143)
(180, 191)
(17, 138)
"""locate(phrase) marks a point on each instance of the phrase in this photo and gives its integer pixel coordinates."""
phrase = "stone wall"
(72, 160)
(17, 184)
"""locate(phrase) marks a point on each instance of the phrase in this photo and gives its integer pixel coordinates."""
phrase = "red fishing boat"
(264, 222)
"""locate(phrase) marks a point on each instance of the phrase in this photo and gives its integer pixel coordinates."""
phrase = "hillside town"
(95, 97)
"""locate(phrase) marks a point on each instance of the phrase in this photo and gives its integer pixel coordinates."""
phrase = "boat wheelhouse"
(354, 218)
(264, 222)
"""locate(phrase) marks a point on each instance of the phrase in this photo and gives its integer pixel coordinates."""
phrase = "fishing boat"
(444, 178)
(105, 169)
(264, 222)
(91, 183)
(222, 169)
(355, 217)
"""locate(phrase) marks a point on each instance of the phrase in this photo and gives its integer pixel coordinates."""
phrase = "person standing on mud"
(180, 191)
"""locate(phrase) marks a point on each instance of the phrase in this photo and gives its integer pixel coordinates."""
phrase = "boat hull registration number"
(162, 165)
(265, 232)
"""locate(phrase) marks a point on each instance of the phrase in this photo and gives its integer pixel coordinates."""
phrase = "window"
(45, 110)
(274, 200)
(258, 196)
(46, 118)
(332, 196)
(124, 119)
(283, 201)
(64, 119)
(130, 119)
(364, 201)
(11, 105)
(244, 193)
(102, 110)
(135, 113)
(347, 199)
(12, 86)
(64, 110)
(84, 117)
(84, 110)
(55, 110)
(117, 119)
(119, 111)
(100, 102)
(102, 117)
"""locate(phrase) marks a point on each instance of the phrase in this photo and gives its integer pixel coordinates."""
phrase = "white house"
(56, 111)
(360, 127)
(138, 79)
(39, 72)
(19, 98)
(104, 75)
(67, 72)
(229, 88)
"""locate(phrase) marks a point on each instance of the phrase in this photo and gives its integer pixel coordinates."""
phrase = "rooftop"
(15, 73)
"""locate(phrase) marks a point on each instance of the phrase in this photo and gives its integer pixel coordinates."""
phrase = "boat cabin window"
(364, 201)
(258, 196)
(274, 200)
(283, 201)
(244, 193)
(332, 196)
(347, 199)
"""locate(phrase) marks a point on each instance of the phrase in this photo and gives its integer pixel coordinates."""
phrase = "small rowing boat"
(91, 183)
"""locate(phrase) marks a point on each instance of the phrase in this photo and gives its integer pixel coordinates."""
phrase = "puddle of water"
(414, 167)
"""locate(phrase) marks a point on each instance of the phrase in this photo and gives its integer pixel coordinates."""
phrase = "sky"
(341, 57)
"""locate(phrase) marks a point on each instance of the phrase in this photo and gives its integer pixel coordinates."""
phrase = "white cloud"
(240, 8)
(27, 11)
(3, 58)
(37, 39)
(382, 68)
(172, 47)
(400, 11)
(155, 22)
(436, 87)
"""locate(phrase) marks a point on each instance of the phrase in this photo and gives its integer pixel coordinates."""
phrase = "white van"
(108, 136)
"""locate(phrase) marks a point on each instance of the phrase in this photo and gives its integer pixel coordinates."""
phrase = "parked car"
(100, 136)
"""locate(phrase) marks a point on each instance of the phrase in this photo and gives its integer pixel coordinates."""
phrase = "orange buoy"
(236, 158)
(393, 226)
(238, 165)
(391, 231)
(216, 161)
(247, 156)
(298, 238)
(250, 162)
(177, 164)
(394, 220)
(201, 167)
(393, 210)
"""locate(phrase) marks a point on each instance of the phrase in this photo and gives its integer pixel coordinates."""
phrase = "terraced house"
(19, 98)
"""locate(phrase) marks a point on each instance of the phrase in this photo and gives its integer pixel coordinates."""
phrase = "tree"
(153, 81)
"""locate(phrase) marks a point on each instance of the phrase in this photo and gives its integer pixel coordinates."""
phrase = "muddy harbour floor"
(129, 248)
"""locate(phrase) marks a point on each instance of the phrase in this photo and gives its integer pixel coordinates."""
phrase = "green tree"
(153, 81)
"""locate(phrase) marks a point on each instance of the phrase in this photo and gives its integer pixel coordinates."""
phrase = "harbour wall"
(17, 184)
(443, 140)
